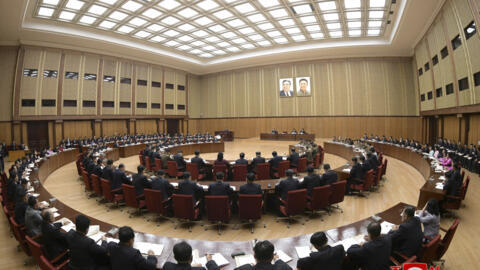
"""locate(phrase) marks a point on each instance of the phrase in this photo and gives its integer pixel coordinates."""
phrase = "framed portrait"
(303, 86)
(286, 87)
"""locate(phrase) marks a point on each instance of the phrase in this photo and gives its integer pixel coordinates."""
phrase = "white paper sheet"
(94, 229)
(303, 252)
(217, 257)
(386, 227)
(283, 256)
(347, 243)
(96, 237)
(346, 170)
(144, 247)
(244, 259)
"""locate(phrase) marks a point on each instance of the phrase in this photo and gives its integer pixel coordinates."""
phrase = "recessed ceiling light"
(278, 13)
(171, 33)
(355, 33)
(373, 32)
(256, 18)
(107, 24)
(152, 13)
(96, 9)
(142, 34)
(74, 4)
(206, 55)
(66, 15)
(287, 22)
(353, 3)
(233, 49)
(171, 43)
(308, 19)
(224, 44)
(219, 52)
(110, 2)
(169, 4)
(298, 38)
(209, 48)
(248, 46)
(196, 51)
(117, 15)
(200, 33)
(354, 24)
(330, 17)
(268, 3)
(256, 37)
(239, 40)
(245, 8)
(265, 26)
(336, 34)
(137, 21)
(217, 28)
(377, 3)
(274, 33)
(280, 40)
(229, 35)
(223, 14)
(212, 39)
(198, 43)
(187, 13)
(302, 9)
(203, 21)
(87, 19)
(334, 26)
(317, 35)
(207, 5)
(236, 23)
(375, 14)
(157, 38)
(354, 15)
(246, 30)
(330, 5)
(264, 43)
(125, 29)
(50, 2)
(313, 28)
(131, 6)
(46, 12)
(294, 30)
(170, 20)
(184, 47)
(186, 27)
(155, 27)
(374, 23)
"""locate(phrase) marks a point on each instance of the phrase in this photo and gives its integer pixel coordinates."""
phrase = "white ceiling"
(204, 36)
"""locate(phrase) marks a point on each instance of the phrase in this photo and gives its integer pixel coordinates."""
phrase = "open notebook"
(217, 257)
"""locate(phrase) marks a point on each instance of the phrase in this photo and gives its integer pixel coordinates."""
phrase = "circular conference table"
(47, 166)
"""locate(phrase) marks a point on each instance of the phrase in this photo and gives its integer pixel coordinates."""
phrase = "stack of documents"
(346, 170)
(439, 186)
(244, 259)
(68, 226)
(144, 247)
(217, 257)
(347, 243)
(303, 252)
(386, 227)
(283, 256)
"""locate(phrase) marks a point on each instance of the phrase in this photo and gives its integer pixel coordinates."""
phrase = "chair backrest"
(140, 157)
(154, 201)
(302, 164)
(158, 164)
(192, 168)
(239, 172)
(96, 184)
(218, 208)
(463, 175)
(106, 189)
(283, 167)
(86, 181)
(219, 168)
(263, 171)
(172, 168)
(338, 192)
(35, 248)
(429, 250)
(465, 187)
(378, 175)
(385, 163)
(130, 195)
(322, 155)
(320, 197)
(447, 239)
(183, 206)
(316, 161)
(19, 235)
(45, 264)
(148, 165)
(367, 184)
(250, 206)
(380, 158)
(296, 201)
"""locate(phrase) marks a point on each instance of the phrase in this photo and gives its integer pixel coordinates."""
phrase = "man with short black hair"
(356, 175)
(98, 168)
(375, 253)
(293, 158)
(20, 208)
(220, 188)
(258, 159)
(286, 185)
(181, 163)
(140, 181)
(329, 176)
(310, 181)
(162, 184)
(53, 239)
(182, 253)
(274, 162)
(199, 161)
(188, 187)
(107, 172)
(33, 218)
(407, 238)
(264, 255)
(119, 177)
(241, 160)
(124, 256)
(326, 257)
(250, 187)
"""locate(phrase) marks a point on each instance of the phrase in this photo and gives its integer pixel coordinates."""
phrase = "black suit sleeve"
(96, 249)
(212, 265)
(281, 265)
(357, 253)
(244, 267)
(145, 264)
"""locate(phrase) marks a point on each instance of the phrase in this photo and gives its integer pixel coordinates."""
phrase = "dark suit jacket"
(20, 209)
(199, 161)
(285, 186)
(309, 182)
(123, 257)
(373, 254)
(330, 258)
(164, 186)
(140, 182)
(356, 172)
(282, 94)
(54, 241)
(279, 265)
(84, 252)
(453, 184)
(250, 188)
(293, 158)
(98, 171)
(408, 238)
(220, 188)
(274, 162)
(241, 161)
(119, 178)
(188, 187)
(107, 173)
(330, 177)
(257, 160)
(181, 163)
(211, 265)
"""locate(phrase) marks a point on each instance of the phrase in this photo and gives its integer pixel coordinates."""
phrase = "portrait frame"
(282, 92)
(303, 87)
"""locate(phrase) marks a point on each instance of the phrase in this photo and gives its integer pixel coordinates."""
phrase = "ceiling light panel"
(151, 13)
(169, 4)
(74, 4)
(131, 6)
(96, 9)
(326, 6)
(352, 4)
(302, 9)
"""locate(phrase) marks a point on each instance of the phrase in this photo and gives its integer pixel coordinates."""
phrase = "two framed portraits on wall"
(302, 87)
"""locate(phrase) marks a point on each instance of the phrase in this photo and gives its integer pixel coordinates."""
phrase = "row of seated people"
(360, 167)
(294, 131)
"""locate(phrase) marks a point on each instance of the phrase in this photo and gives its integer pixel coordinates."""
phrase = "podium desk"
(15, 154)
